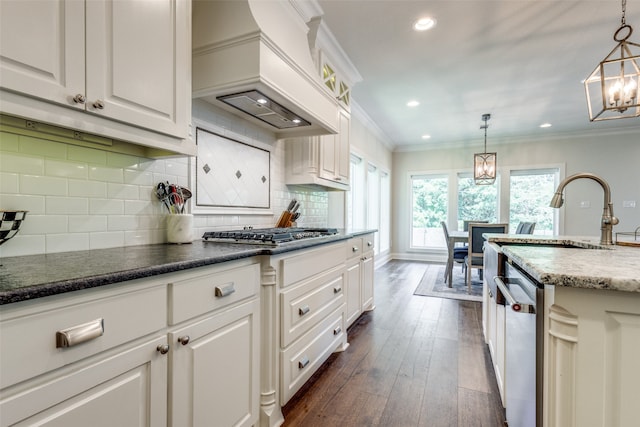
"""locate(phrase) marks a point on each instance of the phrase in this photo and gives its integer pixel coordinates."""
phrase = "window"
(476, 202)
(530, 192)
(373, 202)
(429, 201)
(385, 212)
(356, 195)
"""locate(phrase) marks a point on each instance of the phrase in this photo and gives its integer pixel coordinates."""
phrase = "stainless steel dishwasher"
(524, 323)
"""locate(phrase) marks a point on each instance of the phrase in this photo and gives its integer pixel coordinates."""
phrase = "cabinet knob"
(337, 178)
(162, 348)
(79, 99)
(337, 330)
(337, 290)
(354, 249)
(369, 244)
(184, 340)
(98, 105)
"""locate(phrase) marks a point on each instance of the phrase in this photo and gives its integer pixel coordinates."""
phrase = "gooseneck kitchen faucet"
(608, 220)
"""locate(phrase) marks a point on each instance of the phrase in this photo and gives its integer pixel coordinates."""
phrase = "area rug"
(432, 284)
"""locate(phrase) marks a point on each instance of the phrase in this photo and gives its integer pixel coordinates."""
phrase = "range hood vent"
(261, 107)
(247, 50)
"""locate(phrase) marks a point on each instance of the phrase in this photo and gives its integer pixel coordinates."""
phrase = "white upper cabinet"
(127, 61)
(43, 49)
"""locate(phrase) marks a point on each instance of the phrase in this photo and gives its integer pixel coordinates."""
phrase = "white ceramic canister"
(180, 228)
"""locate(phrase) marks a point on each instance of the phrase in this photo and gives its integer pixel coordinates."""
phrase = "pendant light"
(612, 88)
(485, 164)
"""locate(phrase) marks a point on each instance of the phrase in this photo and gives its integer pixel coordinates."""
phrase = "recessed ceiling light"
(413, 103)
(424, 24)
(545, 125)
(426, 136)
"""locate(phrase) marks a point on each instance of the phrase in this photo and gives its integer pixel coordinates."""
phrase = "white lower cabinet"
(179, 349)
(105, 361)
(215, 344)
(302, 320)
(360, 268)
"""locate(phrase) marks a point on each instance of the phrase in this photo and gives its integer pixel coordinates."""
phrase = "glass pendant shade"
(612, 88)
(484, 168)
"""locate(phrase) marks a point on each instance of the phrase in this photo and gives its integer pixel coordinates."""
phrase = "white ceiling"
(522, 61)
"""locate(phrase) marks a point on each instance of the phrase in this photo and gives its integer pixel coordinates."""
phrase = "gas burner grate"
(267, 236)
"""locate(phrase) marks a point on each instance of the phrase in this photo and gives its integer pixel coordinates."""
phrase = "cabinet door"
(124, 388)
(215, 370)
(335, 152)
(42, 49)
(138, 62)
(367, 281)
(354, 305)
(344, 148)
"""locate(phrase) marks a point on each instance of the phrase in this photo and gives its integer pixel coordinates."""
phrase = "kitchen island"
(590, 327)
(220, 333)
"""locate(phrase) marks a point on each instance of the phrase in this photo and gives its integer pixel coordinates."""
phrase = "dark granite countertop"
(35, 276)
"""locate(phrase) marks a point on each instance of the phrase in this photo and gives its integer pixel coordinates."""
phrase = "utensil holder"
(180, 228)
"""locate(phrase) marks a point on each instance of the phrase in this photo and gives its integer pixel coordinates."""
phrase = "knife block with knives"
(290, 215)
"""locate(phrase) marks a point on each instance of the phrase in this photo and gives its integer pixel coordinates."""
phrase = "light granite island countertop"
(573, 261)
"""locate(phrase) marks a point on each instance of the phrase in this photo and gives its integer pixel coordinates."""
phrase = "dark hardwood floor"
(413, 361)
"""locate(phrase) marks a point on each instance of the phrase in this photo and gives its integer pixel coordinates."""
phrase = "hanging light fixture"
(485, 164)
(612, 88)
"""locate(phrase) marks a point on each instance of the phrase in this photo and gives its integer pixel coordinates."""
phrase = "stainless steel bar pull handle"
(303, 362)
(520, 307)
(80, 333)
(224, 290)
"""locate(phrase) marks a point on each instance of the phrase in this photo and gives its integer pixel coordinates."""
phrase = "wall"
(82, 198)
(615, 158)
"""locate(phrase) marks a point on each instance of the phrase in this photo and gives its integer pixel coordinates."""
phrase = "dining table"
(454, 237)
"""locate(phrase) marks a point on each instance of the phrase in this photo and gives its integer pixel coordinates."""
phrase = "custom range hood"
(252, 58)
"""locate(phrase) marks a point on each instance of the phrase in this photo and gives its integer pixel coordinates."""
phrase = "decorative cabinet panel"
(125, 61)
(591, 357)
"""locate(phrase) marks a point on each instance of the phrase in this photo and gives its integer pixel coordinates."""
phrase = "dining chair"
(466, 222)
(475, 254)
(526, 228)
(455, 254)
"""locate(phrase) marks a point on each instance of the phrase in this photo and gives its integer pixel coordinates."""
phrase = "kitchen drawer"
(368, 242)
(210, 288)
(95, 320)
(304, 357)
(354, 247)
(304, 305)
(308, 263)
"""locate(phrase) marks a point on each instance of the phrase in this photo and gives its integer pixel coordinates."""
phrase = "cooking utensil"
(161, 193)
